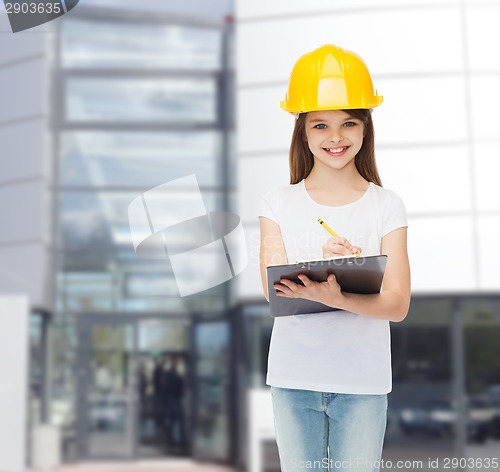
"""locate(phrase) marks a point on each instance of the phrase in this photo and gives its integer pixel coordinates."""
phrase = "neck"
(341, 180)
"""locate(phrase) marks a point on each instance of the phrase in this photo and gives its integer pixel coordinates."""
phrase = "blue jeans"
(321, 431)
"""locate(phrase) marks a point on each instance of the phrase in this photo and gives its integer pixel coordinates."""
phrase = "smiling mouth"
(337, 150)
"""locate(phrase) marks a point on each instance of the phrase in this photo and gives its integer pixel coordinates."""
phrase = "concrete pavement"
(176, 465)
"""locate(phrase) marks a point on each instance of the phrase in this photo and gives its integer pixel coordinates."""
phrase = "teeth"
(336, 150)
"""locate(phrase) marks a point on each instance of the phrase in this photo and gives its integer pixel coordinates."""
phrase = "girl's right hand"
(339, 247)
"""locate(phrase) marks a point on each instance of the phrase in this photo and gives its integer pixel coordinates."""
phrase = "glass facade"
(122, 159)
(185, 101)
(142, 102)
(39, 321)
(445, 397)
(481, 321)
(117, 45)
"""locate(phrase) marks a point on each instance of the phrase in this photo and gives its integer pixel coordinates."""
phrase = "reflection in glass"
(154, 304)
(99, 220)
(125, 286)
(184, 100)
(144, 285)
(140, 77)
(257, 337)
(163, 387)
(96, 291)
(138, 159)
(91, 283)
(38, 323)
(212, 364)
(421, 411)
(112, 338)
(124, 45)
(482, 377)
(109, 397)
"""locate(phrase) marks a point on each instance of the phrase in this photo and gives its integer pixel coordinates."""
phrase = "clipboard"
(354, 275)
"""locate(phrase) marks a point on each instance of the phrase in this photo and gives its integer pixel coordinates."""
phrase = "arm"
(272, 249)
(391, 303)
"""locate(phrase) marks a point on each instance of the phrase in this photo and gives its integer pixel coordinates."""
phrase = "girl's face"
(334, 137)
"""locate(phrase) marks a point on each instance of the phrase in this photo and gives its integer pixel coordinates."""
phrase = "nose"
(336, 136)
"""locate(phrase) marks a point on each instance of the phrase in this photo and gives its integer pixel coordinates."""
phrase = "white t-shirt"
(336, 351)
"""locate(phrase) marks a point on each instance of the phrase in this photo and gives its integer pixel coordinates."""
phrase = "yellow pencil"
(330, 230)
(333, 233)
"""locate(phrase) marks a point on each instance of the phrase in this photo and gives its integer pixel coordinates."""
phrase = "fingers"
(338, 250)
(305, 279)
(286, 288)
(339, 247)
(292, 289)
(311, 290)
(331, 280)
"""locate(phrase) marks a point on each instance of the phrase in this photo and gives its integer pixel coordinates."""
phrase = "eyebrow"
(321, 120)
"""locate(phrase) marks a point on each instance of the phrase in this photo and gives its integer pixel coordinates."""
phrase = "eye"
(349, 124)
(320, 126)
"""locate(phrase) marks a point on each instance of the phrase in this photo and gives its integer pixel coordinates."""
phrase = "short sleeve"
(269, 205)
(394, 215)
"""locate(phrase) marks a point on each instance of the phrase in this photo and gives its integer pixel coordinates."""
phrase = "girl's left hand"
(327, 292)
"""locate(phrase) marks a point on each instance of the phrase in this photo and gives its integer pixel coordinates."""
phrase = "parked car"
(494, 398)
(481, 414)
(439, 418)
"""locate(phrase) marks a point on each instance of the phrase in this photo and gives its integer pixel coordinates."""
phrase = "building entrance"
(135, 387)
(153, 387)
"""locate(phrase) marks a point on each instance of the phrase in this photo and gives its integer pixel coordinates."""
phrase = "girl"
(330, 372)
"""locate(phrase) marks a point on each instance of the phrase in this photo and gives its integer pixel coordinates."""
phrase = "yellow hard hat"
(330, 78)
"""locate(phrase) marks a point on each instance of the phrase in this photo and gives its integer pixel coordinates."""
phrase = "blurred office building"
(116, 98)
(438, 147)
(100, 106)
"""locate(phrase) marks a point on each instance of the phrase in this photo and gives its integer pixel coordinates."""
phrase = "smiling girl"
(330, 372)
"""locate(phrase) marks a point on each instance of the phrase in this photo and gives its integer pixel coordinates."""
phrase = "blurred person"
(158, 400)
(103, 379)
(142, 382)
(146, 405)
(330, 372)
(103, 383)
(175, 419)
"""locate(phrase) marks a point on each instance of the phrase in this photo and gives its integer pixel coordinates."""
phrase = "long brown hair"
(302, 159)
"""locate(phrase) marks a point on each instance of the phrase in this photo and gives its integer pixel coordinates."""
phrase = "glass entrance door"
(107, 389)
(212, 413)
(165, 393)
(134, 387)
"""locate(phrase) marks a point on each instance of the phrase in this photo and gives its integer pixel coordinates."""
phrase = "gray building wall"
(26, 172)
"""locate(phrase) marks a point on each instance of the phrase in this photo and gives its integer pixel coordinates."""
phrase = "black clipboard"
(354, 275)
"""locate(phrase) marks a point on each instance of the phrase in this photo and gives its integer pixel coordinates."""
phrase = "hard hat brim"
(284, 104)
